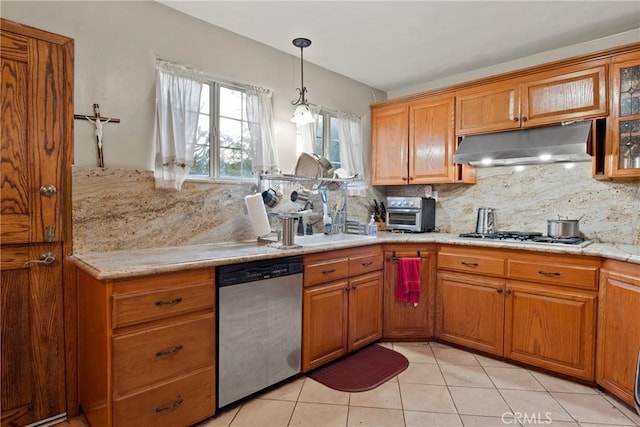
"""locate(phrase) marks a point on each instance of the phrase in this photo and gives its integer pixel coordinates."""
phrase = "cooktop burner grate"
(524, 236)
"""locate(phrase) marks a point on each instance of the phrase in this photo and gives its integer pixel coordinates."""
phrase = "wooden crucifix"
(98, 121)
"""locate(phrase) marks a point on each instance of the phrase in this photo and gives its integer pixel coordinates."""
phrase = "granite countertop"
(136, 262)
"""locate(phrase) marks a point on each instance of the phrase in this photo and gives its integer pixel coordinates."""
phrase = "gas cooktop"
(528, 237)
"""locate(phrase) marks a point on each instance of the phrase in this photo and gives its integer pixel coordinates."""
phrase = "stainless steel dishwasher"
(259, 325)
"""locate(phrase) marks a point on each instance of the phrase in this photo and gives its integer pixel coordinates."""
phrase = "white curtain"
(308, 132)
(260, 117)
(351, 149)
(178, 91)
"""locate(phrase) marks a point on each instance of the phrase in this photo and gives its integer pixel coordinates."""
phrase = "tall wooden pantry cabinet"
(36, 133)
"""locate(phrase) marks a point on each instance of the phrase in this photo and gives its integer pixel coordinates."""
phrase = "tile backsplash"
(117, 209)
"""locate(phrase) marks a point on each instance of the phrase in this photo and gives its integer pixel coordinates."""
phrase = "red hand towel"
(408, 286)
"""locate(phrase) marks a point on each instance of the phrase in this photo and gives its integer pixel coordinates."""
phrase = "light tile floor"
(443, 386)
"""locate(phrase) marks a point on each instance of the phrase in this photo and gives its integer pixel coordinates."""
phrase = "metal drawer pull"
(469, 264)
(172, 302)
(333, 270)
(367, 263)
(499, 290)
(548, 273)
(508, 292)
(172, 351)
(46, 258)
(171, 406)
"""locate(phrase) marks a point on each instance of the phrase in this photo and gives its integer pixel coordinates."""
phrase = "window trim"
(214, 126)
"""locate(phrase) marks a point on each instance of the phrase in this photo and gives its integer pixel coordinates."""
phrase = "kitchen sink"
(327, 239)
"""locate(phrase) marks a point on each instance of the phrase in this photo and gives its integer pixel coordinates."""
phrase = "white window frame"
(214, 135)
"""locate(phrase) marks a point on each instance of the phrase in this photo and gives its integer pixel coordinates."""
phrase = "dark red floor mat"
(363, 370)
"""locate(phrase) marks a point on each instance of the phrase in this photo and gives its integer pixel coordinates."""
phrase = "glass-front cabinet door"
(625, 116)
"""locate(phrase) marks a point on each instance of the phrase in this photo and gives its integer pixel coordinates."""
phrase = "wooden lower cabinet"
(325, 324)
(147, 349)
(340, 317)
(342, 314)
(403, 320)
(551, 328)
(471, 311)
(618, 328)
(534, 308)
(365, 310)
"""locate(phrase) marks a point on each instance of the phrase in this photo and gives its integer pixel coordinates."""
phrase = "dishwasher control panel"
(227, 275)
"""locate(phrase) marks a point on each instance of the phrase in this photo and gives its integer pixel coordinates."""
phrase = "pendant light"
(302, 114)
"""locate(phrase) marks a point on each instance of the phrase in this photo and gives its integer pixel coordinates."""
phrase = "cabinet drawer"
(365, 263)
(326, 271)
(472, 263)
(576, 276)
(181, 402)
(150, 355)
(135, 307)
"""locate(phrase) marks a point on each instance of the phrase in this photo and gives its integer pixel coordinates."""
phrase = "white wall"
(115, 48)
(596, 45)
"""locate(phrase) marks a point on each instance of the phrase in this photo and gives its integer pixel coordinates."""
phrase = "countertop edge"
(138, 262)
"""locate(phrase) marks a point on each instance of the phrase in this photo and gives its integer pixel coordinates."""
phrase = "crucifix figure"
(98, 122)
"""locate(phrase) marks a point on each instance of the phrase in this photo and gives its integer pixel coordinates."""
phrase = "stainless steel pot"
(563, 228)
(486, 223)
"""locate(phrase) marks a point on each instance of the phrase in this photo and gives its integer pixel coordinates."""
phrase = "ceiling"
(394, 44)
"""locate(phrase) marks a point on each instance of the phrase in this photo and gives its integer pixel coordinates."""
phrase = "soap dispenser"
(372, 229)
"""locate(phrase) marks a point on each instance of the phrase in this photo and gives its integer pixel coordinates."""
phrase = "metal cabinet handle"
(333, 270)
(549, 273)
(524, 119)
(353, 288)
(170, 351)
(367, 263)
(48, 190)
(469, 264)
(508, 292)
(515, 119)
(499, 290)
(347, 289)
(46, 258)
(410, 178)
(171, 405)
(172, 302)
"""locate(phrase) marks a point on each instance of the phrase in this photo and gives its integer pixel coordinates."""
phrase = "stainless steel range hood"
(560, 143)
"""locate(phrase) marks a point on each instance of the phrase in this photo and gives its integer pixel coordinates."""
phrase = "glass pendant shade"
(302, 115)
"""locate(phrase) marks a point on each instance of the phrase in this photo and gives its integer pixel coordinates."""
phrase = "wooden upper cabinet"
(623, 142)
(488, 108)
(570, 93)
(413, 143)
(389, 145)
(431, 141)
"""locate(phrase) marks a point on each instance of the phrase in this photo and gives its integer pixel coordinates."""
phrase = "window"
(223, 146)
(327, 143)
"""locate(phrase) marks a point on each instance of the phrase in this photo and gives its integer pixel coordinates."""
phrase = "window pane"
(318, 144)
(202, 152)
(205, 97)
(230, 133)
(231, 103)
(334, 147)
(201, 165)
